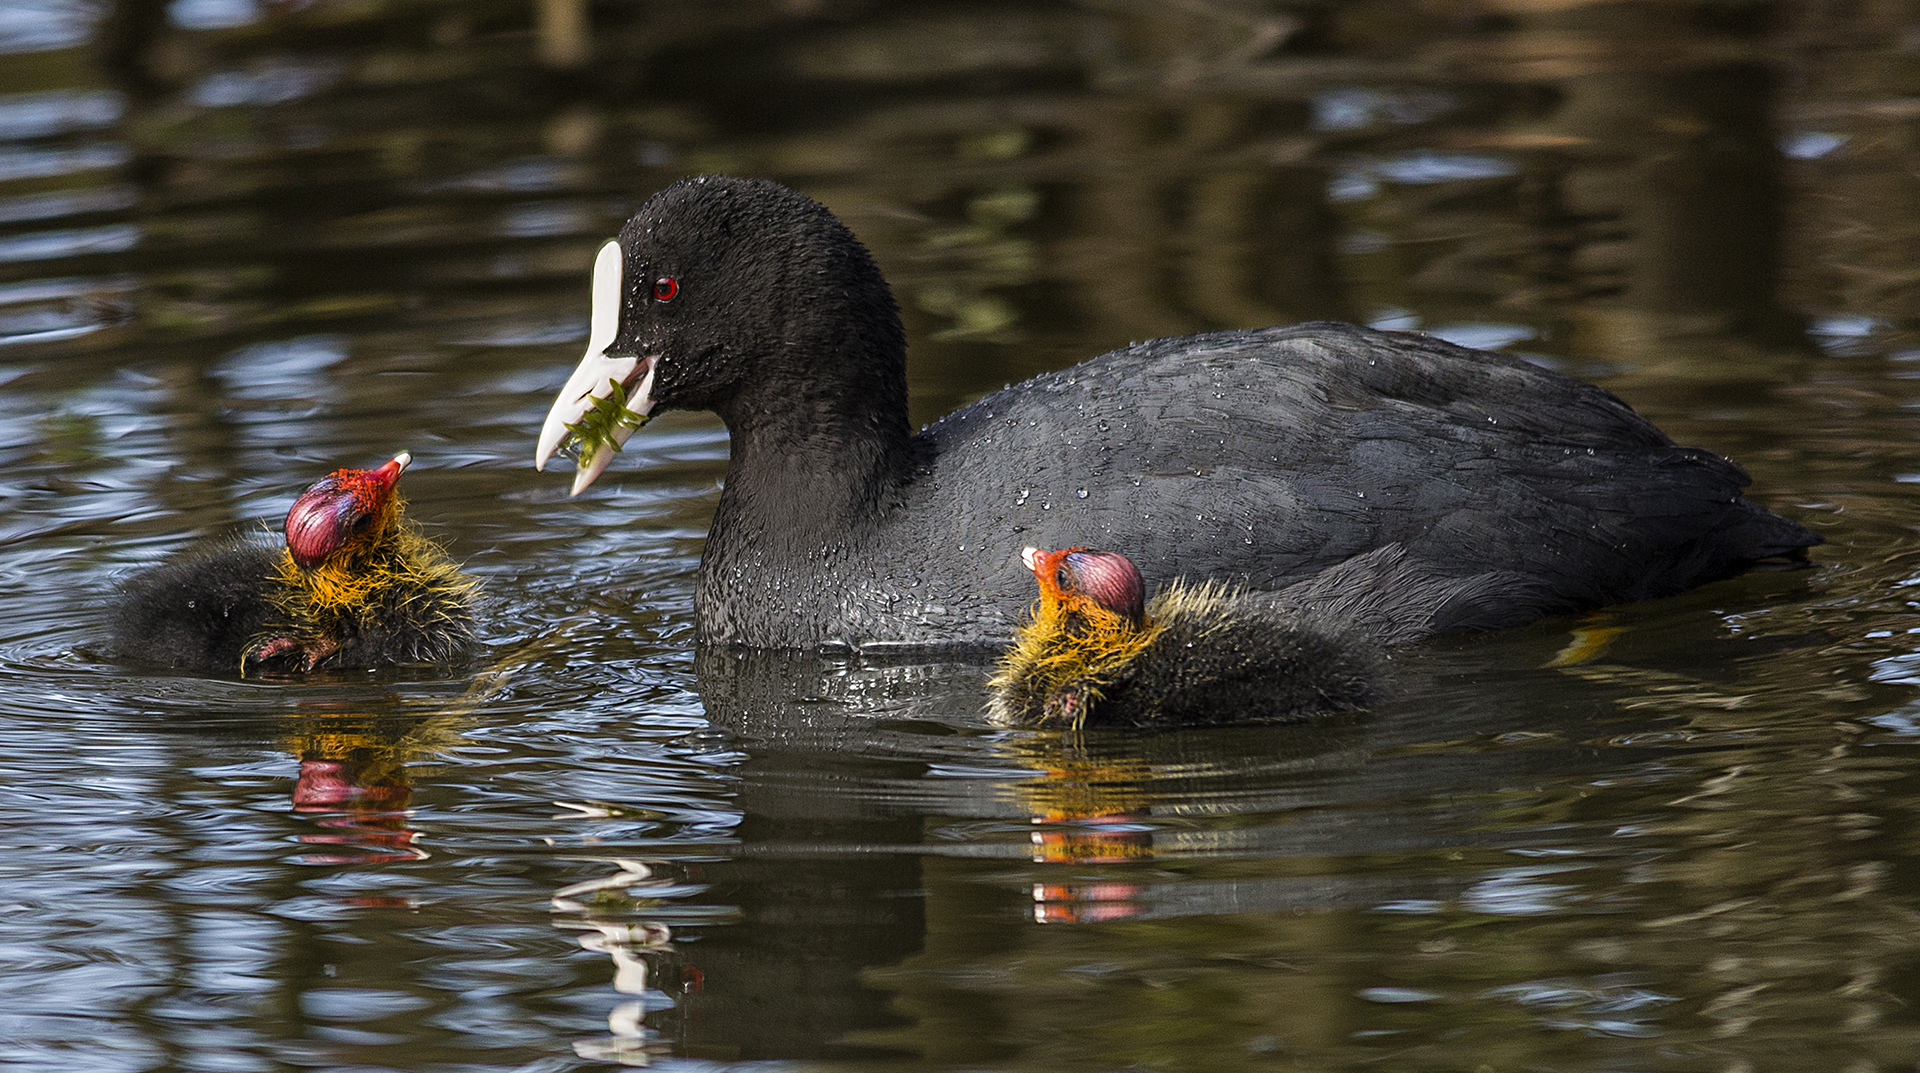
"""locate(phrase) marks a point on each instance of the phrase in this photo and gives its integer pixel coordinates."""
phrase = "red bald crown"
(1106, 578)
(340, 509)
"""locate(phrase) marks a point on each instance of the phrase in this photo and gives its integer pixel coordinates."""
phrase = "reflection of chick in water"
(354, 767)
(355, 783)
(1099, 654)
(1109, 814)
(1085, 811)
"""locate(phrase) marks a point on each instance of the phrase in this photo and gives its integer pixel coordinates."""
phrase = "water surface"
(243, 244)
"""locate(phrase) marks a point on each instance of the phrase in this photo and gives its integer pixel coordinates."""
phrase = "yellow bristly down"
(398, 566)
(1071, 640)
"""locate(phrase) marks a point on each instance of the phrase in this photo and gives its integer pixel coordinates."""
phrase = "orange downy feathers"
(355, 566)
(1060, 662)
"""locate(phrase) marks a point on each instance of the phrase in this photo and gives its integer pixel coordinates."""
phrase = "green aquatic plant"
(601, 427)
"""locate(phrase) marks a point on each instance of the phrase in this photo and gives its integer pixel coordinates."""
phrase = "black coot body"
(1261, 456)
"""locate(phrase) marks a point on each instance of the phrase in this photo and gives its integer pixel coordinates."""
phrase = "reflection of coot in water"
(822, 747)
(1263, 456)
(356, 585)
(838, 763)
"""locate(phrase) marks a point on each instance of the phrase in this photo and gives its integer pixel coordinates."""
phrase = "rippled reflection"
(359, 800)
(629, 943)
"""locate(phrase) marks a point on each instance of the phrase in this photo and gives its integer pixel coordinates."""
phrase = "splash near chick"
(1098, 654)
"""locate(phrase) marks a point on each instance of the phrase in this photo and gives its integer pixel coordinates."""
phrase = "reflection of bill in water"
(629, 1040)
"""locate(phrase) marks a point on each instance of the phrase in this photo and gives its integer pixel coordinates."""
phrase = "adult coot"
(1262, 456)
(355, 585)
(1098, 654)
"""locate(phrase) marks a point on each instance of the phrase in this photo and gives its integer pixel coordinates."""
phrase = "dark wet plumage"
(1262, 457)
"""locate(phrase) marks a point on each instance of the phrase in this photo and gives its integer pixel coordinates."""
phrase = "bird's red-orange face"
(342, 510)
(1080, 580)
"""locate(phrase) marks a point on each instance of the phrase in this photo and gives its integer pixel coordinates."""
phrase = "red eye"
(665, 288)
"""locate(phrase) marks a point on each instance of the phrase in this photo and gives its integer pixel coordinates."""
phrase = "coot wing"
(1271, 455)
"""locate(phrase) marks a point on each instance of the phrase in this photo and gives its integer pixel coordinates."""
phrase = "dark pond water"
(244, 243)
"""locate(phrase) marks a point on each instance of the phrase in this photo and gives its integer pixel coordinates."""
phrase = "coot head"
(347, 510)
(729, 295)
(1088, 625)
(1101, 586)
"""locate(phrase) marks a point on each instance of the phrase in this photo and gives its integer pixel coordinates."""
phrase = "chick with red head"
(356, 584)
(1098, 653)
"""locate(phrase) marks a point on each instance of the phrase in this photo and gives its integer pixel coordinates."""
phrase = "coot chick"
(356, 584)
(1264, 456)
(1097, 653)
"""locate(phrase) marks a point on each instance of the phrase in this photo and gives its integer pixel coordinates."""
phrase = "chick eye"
(665, 288)
(1063, 577)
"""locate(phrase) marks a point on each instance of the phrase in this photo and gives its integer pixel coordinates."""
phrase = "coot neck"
(819, 441)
